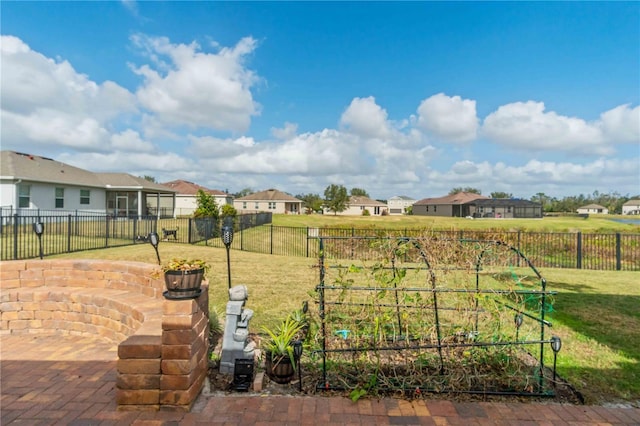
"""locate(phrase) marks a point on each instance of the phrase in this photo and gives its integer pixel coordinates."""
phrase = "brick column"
(185, 343)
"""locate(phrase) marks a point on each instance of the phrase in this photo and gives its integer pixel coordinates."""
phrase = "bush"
(366, 212)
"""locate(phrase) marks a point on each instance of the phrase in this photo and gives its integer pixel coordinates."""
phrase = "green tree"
(466, 189)
(499, 194)
(359, 192)
(243, 192)
(311, 202)
(228, 210)
(336, 198)
(149, 178)
(205, 205)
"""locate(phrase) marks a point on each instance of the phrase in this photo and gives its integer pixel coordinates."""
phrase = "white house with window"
(399, 204)
(271, 200)
(33, 182)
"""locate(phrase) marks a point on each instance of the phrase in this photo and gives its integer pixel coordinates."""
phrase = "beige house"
(593, 209)
(186, 196)
(271, 200)
(357, 205)
(631, 207)
(456, 205)
(399, 204)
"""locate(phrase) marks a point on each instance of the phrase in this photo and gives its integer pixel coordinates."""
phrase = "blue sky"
(402, 98)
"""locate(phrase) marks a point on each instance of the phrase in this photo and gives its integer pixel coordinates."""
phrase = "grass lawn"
(596, 313)
(595, 223)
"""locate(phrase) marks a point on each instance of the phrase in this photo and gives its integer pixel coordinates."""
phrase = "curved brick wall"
(162, 344)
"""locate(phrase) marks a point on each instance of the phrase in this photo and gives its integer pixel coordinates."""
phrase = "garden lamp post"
(556, 345)
(227, 239)
(154, 241)
(297, 353)
(38, 228)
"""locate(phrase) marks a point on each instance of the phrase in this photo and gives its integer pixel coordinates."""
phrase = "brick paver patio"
(70, 380)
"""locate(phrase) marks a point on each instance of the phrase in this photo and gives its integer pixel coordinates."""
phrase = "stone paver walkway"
(70, 380)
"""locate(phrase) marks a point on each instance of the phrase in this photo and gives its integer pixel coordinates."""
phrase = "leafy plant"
(183, 264)
(280, 341)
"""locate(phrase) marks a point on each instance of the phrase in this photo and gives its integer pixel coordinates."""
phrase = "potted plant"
(183, 277)
(280, 360)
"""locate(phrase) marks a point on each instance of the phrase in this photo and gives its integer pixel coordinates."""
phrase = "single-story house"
(399, 204)
(186, 196)
(593, 208)
(358, 204)
(31, 182)
(455, 205)
(631, 207)
(271, 200)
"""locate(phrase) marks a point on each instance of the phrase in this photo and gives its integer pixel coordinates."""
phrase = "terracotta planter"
(279, 369)
(183, 284)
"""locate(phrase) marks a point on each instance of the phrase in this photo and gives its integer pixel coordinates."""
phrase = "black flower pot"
(183, 284)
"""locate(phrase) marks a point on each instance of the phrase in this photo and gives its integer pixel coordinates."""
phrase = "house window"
(435, 208)
(427, 209)
(85, 196)
(509, 209)
(257, 206)
(24, 196)
(376, 210)
(272, 205)
(244, 205)
(59, 198)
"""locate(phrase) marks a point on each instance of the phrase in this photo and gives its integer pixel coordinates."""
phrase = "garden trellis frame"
(384, 295)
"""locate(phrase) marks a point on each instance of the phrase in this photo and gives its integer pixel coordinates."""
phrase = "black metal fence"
(254, 232)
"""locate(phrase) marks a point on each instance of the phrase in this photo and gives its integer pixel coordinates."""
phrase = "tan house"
(399, 204)
(593, 209)
(631, 207)
(456, 205)
(271, 200)
(357, 205)
(186, 196)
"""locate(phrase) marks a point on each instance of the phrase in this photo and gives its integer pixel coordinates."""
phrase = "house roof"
(184, 187)
(126, 181)
(269, 195)
(18, 165)
(401, 197)
(632, 203)
(358, 200)
(457, 198)
(592, 206)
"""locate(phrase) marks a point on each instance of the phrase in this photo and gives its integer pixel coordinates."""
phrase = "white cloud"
(365, 118)
(526, 125)
(197, 89)
(621, 124)
(157, 164)
(287, 132)
(45, 102)
(130, 140)
(448, 118)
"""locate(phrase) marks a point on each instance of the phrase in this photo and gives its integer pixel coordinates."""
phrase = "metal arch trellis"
(332, 298)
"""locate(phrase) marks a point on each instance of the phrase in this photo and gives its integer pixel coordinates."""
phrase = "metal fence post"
(69, 233)
(106, 231)
(579, 250)
(15, 236)
(307, 242)
(271, 238)
(618, 252)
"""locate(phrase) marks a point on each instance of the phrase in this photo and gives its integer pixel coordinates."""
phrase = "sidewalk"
(70, 380)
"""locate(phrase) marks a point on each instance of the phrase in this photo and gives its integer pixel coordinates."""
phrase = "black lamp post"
(38, 228)
(518, 319)
(154, 241)
(227, 239)
(556, 345)
(297, 353)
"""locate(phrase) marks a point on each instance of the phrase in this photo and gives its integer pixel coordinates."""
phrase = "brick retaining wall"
(162, 344)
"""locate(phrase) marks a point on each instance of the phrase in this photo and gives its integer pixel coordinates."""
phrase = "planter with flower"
(183, 278)
(280, 359)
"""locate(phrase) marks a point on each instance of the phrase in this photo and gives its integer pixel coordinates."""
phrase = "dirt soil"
(223, 384)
